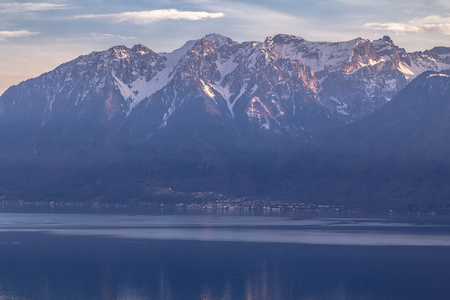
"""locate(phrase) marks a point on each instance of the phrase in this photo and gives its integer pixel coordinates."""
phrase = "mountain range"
(281, 118)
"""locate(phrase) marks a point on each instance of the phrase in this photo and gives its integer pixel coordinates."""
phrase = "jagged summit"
(283, 39)
(218, 39)
(387, 39)
(141, 49)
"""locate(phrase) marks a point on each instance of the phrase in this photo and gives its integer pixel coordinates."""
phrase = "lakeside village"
(168, 199)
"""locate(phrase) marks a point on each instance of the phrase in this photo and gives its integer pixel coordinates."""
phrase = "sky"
(37, 36)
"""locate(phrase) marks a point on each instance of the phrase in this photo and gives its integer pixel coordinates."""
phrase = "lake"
(210, 256)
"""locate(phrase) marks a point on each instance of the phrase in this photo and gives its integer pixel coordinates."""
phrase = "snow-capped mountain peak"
(218, 39)
(351, 78)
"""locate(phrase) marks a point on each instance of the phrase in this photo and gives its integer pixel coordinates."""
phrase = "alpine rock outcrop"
(359, 76)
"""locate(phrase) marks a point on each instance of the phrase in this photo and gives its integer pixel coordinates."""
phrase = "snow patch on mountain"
(341, 107)
(406, 70)
(226, 67)
(174, 57)
(438, 74)
(259, 111)
(141, 89)
(169, 113)
(207, 90)
(224, 91)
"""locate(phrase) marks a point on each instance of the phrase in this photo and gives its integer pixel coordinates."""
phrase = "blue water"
(114, 256)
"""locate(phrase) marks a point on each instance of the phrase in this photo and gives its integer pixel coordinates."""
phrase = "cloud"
(111, 36)
(252, 21)
(145, 17)
(15, 33)
(14, 7)
(433, 23)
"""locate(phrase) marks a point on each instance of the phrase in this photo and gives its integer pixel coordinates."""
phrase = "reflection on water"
(324, 231)
(50, 256)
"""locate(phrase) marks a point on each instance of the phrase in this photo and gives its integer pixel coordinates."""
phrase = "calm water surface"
(101, 256)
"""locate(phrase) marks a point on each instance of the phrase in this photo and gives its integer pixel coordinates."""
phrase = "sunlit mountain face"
(222, 116)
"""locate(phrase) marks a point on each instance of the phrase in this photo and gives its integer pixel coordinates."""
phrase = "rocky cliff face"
(359, 76)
